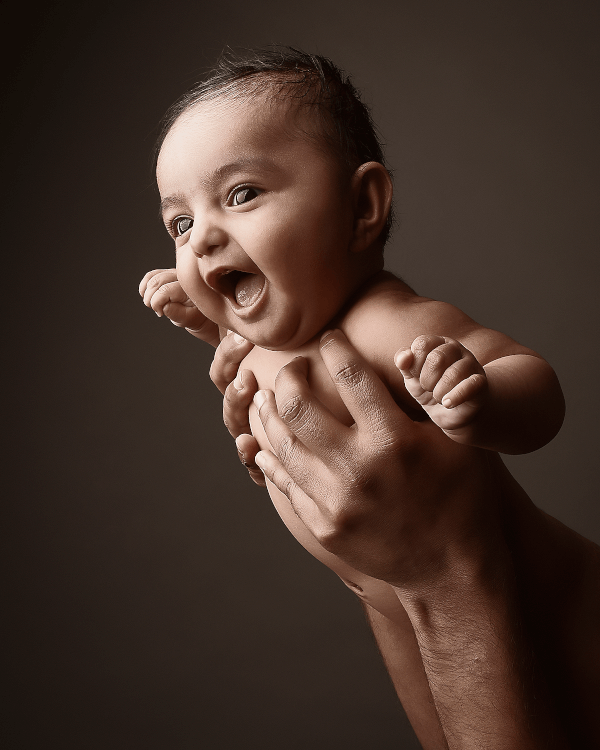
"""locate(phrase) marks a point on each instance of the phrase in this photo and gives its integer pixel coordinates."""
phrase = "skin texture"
(264, 252)
(243, 189)
(483, 657)
(405, 503)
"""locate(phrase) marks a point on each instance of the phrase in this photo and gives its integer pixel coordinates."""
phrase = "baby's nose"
(206, 237)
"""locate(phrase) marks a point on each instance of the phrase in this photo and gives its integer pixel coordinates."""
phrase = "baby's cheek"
(204, 298)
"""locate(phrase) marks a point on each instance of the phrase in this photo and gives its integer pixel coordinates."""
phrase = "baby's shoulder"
(387, 315)
(388, 312)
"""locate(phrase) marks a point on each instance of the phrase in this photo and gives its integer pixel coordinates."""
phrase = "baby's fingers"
(169, 299)
(472, 388)
(153, 280)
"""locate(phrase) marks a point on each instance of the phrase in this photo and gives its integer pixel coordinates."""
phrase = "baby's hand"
(446, 379)
(163, 293)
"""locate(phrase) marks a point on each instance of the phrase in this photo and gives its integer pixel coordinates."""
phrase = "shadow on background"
(157, 600)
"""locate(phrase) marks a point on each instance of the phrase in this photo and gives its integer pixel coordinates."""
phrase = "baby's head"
(273, 187)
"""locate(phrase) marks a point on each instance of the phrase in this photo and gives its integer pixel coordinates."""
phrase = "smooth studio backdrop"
(156, 599)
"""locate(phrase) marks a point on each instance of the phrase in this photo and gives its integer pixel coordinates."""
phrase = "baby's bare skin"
(454, 372)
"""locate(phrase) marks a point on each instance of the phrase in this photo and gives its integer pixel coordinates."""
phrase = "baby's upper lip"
(213, 276)
(222, 278)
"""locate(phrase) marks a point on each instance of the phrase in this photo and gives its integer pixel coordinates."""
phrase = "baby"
(273, 188)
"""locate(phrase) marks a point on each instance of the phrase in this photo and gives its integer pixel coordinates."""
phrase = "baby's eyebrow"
(222, 173)
(170, 201)
(218, 176)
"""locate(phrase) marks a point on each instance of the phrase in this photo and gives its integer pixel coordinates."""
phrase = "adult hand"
(395, 499)
(238, 387)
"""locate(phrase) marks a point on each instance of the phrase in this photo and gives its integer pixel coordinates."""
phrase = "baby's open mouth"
(244, 288)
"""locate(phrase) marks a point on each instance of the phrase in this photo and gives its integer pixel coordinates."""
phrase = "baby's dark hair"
(310, 81)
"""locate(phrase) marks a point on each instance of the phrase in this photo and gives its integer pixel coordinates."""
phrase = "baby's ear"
(372, 193)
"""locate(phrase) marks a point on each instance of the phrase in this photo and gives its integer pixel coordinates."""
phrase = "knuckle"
(362, 483)
(448, 380)
(436, 358)
(288, 486)
(287, 448)
(330, 536)
(339, 527)
(293, 410)
(230, 395)
(216, 374)
(162, 283)
(154, 280)
(348, 373)
(284, 483)
(421, 343)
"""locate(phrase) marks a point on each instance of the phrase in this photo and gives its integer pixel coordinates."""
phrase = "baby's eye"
(243, 195)
(181, 224)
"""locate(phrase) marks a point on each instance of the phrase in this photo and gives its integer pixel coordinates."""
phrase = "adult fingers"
(238, 397)
(365, 396)
(230, 352)
(305, 415)
(247, 448)
(202, 328)
(303, 467)
(303, 505)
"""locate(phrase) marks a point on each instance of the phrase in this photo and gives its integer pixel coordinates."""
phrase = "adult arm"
(401, 652)
(470, 557)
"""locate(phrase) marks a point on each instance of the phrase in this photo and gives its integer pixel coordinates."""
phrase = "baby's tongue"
(248, 288)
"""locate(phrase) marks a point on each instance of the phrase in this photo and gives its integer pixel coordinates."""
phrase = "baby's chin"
(281, 338)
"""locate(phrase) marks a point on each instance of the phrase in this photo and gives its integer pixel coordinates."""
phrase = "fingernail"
(259, 460)
(326, 334)
(259, 399)
(447, 402)
(238, 383)
(238, 339)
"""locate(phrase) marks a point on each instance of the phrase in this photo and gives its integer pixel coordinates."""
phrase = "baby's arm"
(507, 400)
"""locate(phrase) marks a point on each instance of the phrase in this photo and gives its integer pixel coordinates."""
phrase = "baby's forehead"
(274, 113)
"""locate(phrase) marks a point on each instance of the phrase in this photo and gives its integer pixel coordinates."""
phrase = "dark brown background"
(156, 599)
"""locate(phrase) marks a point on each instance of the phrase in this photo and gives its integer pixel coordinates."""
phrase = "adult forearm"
(400, 652)
(486, 626)
(479, 666)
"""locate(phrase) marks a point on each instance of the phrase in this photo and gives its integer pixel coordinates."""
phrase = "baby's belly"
(265, 366)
